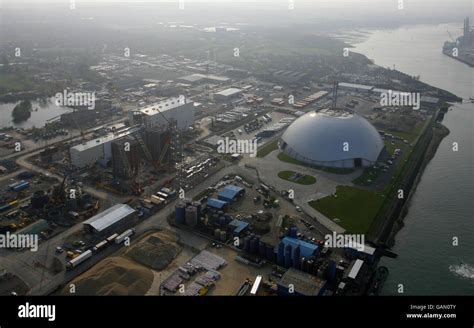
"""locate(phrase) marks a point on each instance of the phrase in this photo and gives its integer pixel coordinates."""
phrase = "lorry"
(78, 260)
(124, 235)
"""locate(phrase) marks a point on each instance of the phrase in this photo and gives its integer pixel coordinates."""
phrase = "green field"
(267, 149)
(303, 180)
(355, 208)
(15, 82)
(285, 158)
(369, 173)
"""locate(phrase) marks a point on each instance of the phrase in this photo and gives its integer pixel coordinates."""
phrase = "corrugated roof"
(306, 249)
(303, 283)
(355, 269)
(216, 203)
(230, 191)
(110, 216)
(164, 106)
(229, 92)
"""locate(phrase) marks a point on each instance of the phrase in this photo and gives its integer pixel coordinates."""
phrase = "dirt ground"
(233, 275)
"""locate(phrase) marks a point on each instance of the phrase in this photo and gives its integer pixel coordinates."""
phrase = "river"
(42, 112)
(443, 205)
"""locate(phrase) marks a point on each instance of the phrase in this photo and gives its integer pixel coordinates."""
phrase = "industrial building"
(332, 138)
(113, 218)
(126, 157)
(231, 193)
(90, 152)
(216, 204)
(291, 250)
(298, 283)
(179, 110)
(227, 94)
(197, 78)
(155, 140)
(238, 227)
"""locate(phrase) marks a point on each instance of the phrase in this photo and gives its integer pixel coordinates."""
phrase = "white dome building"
(332, 138)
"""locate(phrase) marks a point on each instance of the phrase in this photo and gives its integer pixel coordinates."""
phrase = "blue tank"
(288, 256)
(198, 206)
(296, 257)
(254, 246)
(332, 271)
(293, 232)
(180, 212)
(247, 245)
(222, 222)
(281, 254)
(262, 250)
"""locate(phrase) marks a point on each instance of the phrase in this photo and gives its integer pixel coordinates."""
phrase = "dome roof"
(321, 137)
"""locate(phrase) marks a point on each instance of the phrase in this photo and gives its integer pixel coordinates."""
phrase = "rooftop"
(230, 191)
(110, 216)
(306, 249)
(164, 105)
(216, 203)
(102, 140)
(228, 92)
(304, 283)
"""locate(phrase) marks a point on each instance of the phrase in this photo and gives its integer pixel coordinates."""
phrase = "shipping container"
(124, 235)
(100, 246)
(111, 238)
(79, 259)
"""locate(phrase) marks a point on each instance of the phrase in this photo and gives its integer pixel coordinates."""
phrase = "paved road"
(42, 281)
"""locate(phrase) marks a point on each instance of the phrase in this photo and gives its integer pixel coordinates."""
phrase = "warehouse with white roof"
(110, 220)
(332, 138)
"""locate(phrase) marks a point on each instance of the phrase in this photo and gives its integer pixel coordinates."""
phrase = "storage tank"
(288, 256)
(198, 205)
(247, 245)
(222, 222)
(39, 199)
(180, 213)
(293, 232)
(281, 254)
(262, 250)
(191, 216)
(332, 271)
(303, 266)
(296, 257)
(254, 246)
(223, 236)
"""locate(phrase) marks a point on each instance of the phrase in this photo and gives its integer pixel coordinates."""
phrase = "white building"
(179, 109)
(227, 94)
(332, 138)
(91, 151)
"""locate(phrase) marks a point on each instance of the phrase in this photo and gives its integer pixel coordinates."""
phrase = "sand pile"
(156, 252)
(113, 276)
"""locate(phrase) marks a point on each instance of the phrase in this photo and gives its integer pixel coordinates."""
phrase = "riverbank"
(460, 58)
(439, 133)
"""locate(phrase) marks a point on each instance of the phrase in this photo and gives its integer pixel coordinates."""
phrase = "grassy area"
(14, 82)
(303, 179)
(335, 170)
(355, 208)
(267, 149)
(413, 134)
(369, 173)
